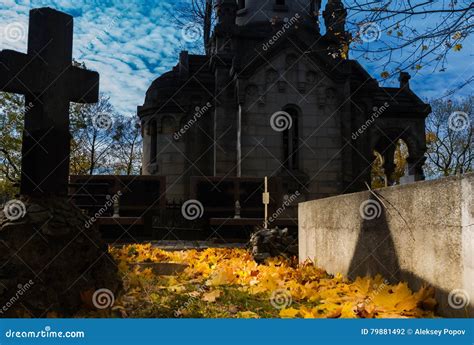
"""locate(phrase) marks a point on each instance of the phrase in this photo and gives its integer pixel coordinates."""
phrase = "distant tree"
(11, 129)
(126, 149)
(450, 137)
(198, 18)
(92, 127)
(103, 142)
(404, 35)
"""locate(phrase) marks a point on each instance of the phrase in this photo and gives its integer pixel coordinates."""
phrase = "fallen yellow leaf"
(211, 296)
(289, 313)
(248, 315)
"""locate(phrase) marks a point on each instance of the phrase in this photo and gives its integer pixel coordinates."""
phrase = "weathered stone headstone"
(49, 81)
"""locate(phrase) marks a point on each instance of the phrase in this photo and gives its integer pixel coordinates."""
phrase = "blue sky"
(132, 42)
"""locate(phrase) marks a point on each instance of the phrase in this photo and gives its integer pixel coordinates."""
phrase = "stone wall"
(420, 233)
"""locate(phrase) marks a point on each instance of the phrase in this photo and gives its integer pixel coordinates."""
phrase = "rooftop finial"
(335, 17)
(335, 21)
(404, 79)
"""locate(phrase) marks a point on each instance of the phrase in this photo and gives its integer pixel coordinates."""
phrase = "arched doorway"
(388, 169)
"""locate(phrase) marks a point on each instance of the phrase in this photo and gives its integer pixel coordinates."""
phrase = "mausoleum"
(276, 94)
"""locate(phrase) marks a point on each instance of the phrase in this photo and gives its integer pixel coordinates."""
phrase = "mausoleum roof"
(402, 100)
(175, 89)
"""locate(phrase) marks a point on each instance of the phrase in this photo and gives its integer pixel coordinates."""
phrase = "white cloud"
(128, 43)
(131, 42)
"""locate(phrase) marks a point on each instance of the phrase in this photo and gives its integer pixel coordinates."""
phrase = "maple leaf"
(177, 288)
(289, 313)
(362, 285)
(211, 296)
(348, 311)
(392, 299)
(222, 276)
(425, 298)
(334, 312)
(366, 311)
(248, 315)
(308, 313)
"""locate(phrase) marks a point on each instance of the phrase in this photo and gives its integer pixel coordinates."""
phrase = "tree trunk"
(207, 23)
(92, 156)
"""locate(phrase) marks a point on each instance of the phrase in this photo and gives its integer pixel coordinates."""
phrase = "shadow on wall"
(375, 253)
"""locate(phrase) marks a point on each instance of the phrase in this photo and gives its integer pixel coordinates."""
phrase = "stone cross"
(48, 80)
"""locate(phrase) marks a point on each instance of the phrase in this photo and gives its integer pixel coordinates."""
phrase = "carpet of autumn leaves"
(223, 283)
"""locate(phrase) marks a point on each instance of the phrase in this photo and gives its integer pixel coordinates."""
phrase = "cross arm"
(83, 85)
(19, 73)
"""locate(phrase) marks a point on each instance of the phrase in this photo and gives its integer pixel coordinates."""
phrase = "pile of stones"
(265, 243)
(52, 258)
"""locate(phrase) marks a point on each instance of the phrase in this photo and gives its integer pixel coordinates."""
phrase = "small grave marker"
(266, 201)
